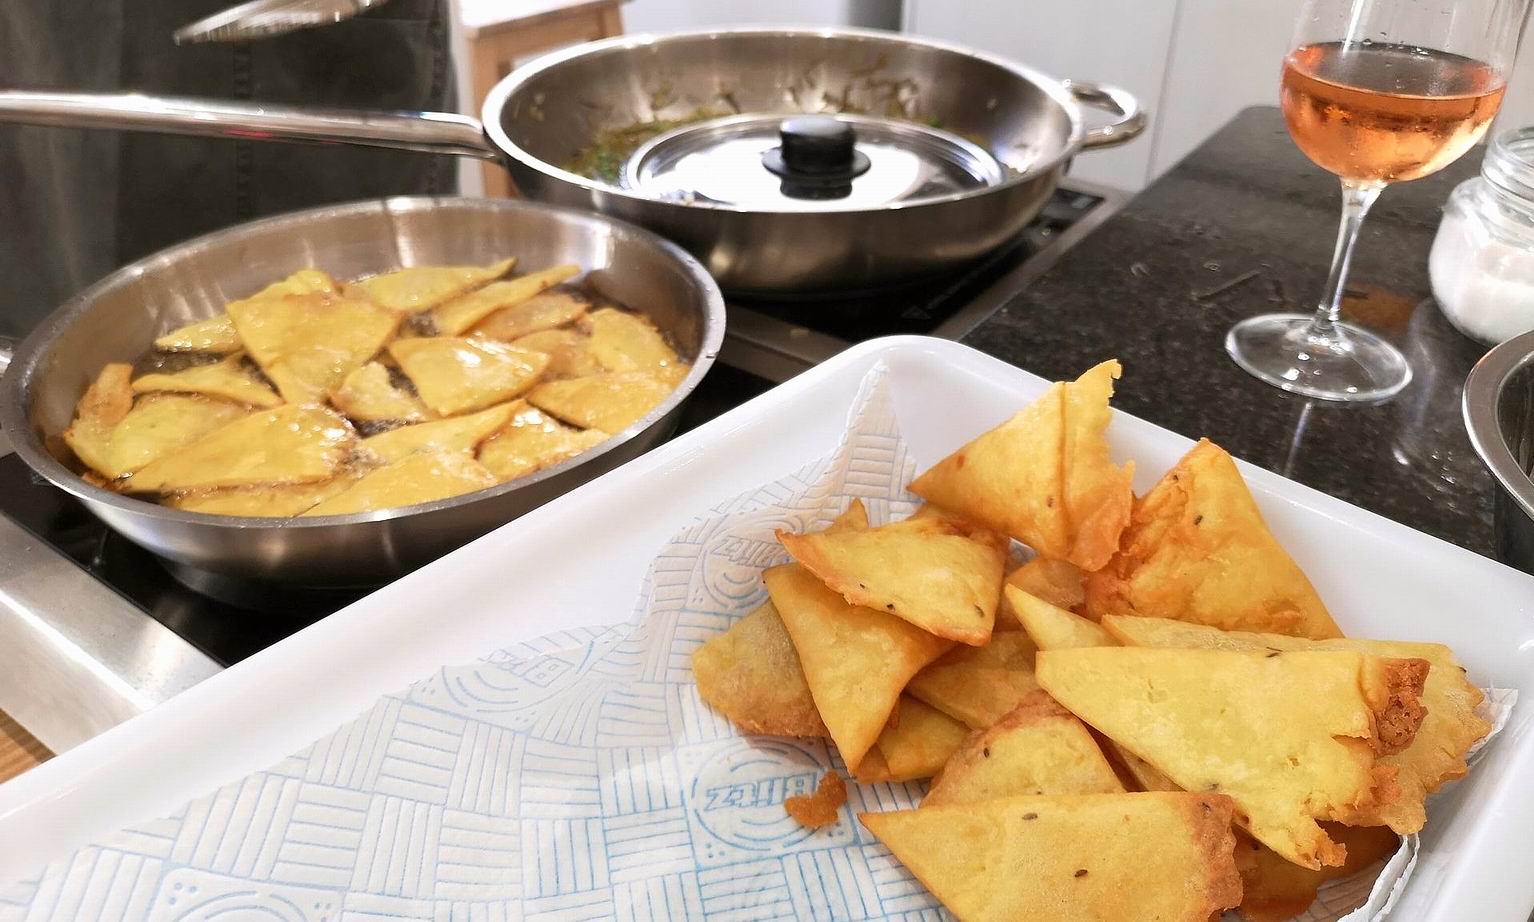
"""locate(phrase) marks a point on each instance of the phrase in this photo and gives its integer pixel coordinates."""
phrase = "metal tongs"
(266, 18)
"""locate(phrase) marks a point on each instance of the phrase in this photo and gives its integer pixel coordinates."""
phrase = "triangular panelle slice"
(419, 288)
(854, 517)
(1292, 737)
(568, 352)
(929, 571)
(369, 394)
(215, 336)
(531, 441)
(979, 685)
(751, 674)
(230, 379)
(308, 344)
(1039, 748)
(1071, 858)
(611, 402)
(160, 424)
(1197, 549)
(218, 336)
(1058, 582)
(916, 743)
(460, 314)
(423, 477)
(624, 341)
(291, 444)
(856, 660)
(1044, 477)
(104, 404)
(1436, 754)
(457, 375)
(539, 314)
(1275, 890)
(1054, 628)
(457, 433)
(268, 502)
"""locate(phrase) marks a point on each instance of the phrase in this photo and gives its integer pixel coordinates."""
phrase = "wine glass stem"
(1357, 197)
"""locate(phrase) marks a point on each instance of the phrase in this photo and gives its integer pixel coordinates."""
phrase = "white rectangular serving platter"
(580, 560)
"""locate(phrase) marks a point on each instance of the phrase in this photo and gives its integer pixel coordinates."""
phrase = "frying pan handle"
(428, 132)
(1130, 123)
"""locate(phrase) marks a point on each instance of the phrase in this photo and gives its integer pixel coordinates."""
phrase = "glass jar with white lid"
(1482, 262)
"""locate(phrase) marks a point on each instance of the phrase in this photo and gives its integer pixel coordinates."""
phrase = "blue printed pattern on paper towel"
(575, 777)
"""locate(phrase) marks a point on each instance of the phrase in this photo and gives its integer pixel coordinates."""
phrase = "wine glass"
(1375, 91)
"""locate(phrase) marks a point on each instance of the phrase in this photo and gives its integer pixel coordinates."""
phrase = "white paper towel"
(578, 776)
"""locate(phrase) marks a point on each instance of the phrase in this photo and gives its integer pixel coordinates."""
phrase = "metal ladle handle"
(427, 132)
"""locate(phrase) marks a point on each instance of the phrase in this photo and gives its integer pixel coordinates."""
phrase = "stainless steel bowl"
(1499, 417)
(117, 319)
(548, 111)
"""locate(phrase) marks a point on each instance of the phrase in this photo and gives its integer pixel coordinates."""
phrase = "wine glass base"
(1352, 365)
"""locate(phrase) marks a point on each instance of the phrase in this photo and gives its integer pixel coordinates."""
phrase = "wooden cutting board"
(18, 750)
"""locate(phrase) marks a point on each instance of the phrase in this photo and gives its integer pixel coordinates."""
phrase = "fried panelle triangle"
(1275, 890)
(610, 402)
(568, 352)
(1293, 737)
(622, 341)
(1044, 476)
(979, 685)
(308, 344)
(1053, 628)
(457, 433)
(458, 315)
(856, 660)
(1058, 582)
(215, 335)
(370, 395)
(1039, 748)
(916, 743)
(103, 405)
(1072, 858)
(540, 314)
(458, 375)
(160, 424)
(419, 288)
(273, 502)
(230, 379)
(928, 571)
(751, 674)
(533, 441)
(291, 444)
(423, 477)
(1197, 549)
(1437, 752)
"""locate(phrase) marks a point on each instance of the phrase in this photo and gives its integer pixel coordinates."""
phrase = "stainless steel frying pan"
(539, 118)
(117, 319)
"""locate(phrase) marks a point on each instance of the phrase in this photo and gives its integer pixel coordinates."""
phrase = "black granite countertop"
(1246, 225)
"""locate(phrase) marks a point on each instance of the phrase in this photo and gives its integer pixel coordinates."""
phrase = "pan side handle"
(428, 132)
(1131, 118)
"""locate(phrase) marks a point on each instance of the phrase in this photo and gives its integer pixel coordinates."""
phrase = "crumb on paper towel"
(821, 808)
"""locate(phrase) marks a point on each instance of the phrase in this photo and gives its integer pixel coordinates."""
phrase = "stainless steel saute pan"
(117, 319)
(541, 119)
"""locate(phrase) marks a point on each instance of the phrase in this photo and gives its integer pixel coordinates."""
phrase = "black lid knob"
(817, 157)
